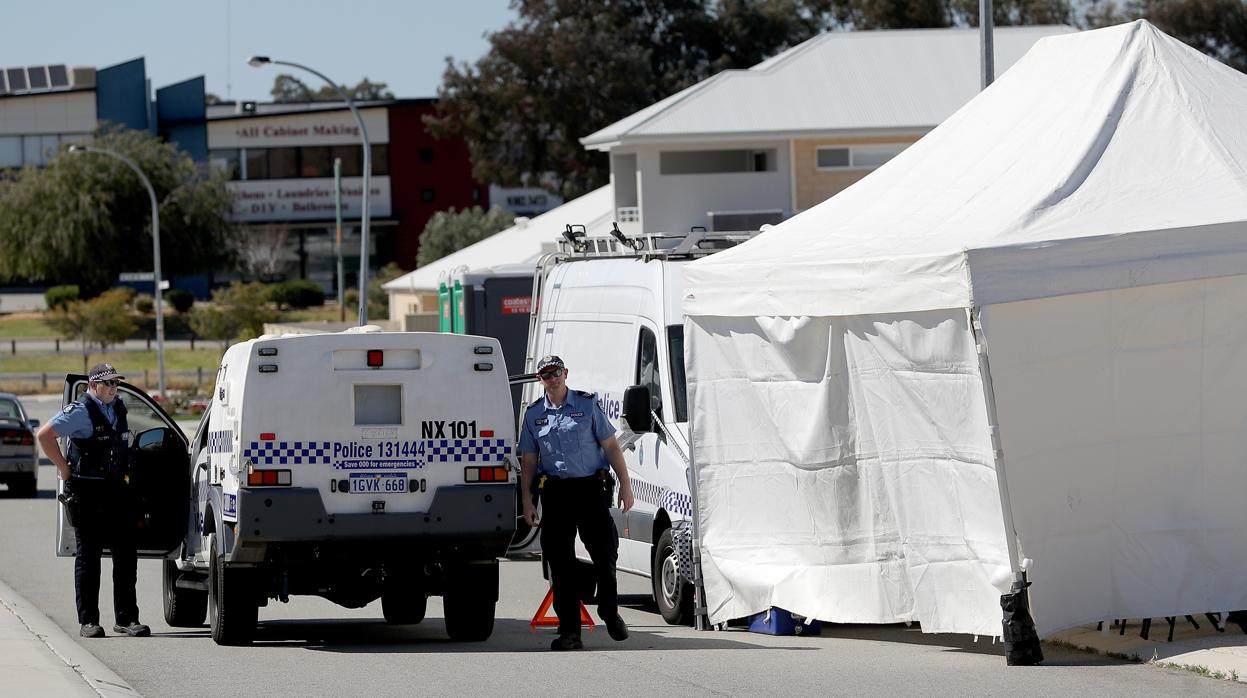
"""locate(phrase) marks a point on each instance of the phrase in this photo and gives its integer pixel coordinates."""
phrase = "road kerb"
(96, 674)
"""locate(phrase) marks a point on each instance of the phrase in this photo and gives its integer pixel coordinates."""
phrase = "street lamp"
(256, 62)
(151, 193)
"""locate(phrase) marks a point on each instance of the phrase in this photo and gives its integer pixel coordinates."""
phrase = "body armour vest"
(104, 454)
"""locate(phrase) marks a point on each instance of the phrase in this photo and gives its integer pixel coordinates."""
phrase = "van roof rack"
(696, 243)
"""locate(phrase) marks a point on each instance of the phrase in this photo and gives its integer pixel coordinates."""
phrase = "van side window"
(647, 368)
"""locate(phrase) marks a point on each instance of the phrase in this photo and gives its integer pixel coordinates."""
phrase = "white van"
(351, 466)
(610, 308)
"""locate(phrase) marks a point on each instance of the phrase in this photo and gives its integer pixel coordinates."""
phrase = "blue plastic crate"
(777, 621)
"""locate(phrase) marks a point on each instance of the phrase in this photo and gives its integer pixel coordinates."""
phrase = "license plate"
(378, 483)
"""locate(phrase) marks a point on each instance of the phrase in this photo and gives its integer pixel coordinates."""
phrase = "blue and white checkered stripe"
(220, 441)
(661, 497)
(288, 452)
(465, 450)
(677, 503)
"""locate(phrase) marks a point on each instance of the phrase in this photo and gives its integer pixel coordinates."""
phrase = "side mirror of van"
(152, 439)
(636, 409)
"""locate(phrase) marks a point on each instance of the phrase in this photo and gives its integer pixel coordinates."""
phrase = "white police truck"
(352, 466)
(610, 308)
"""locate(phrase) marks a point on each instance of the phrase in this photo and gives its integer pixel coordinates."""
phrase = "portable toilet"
(443, 308)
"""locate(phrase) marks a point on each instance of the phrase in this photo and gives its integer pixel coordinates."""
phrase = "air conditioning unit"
(724, 221)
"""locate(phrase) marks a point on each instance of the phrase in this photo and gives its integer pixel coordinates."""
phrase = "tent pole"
(701, 616)
(993, 426)
(1018, 627)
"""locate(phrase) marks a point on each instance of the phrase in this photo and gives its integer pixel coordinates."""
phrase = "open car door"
(159, 474)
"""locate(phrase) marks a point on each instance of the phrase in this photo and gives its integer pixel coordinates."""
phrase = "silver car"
(19, 456)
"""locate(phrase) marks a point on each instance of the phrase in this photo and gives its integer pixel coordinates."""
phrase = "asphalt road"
(311, 647)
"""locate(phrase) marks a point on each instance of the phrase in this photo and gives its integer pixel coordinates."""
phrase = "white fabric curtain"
(845, 471)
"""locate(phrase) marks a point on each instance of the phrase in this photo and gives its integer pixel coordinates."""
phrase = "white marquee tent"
(1035, 318)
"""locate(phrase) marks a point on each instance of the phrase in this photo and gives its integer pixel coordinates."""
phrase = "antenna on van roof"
(574, 237)
(632, 243)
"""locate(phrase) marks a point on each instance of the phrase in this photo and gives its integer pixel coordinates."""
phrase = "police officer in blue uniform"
(96, 475)
(576, 445)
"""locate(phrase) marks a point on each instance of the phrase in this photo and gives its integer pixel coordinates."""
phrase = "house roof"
(838, 81)
(525, 241)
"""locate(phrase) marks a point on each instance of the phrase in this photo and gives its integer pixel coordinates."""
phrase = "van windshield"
(679, 389)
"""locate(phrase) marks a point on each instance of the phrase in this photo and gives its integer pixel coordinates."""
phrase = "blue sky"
(403, 44)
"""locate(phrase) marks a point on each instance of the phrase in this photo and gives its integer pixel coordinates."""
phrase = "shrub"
(296, 294)
(58, 296)
(181, 300)
(144, 303)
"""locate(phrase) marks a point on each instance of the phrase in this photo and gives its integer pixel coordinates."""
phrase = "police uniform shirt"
(567, 437)
(74, 422)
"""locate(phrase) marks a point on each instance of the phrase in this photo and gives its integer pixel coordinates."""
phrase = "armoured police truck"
(610, 308)
(352, 466)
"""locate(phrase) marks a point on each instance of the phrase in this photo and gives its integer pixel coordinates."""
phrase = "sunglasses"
(547, 375)
(110, 383)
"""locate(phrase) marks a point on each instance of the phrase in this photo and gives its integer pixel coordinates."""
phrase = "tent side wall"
(845, 469)
(1123, 421)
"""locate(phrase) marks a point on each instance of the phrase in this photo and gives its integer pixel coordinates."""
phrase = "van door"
(159, 474)
(637, 529)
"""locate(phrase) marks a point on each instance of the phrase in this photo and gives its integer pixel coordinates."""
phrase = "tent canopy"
(1040, 170)
(1091, 207)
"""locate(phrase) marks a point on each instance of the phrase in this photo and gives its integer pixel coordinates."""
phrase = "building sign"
(524, 201)
(516, 305)
(287, 130)
(306, 199)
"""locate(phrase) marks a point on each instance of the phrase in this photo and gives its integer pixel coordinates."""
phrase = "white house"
(748, 147)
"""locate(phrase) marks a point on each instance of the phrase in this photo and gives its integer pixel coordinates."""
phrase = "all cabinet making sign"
(306, 199)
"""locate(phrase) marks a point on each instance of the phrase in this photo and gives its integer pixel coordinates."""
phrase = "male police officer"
(575, 442)
(96, 476)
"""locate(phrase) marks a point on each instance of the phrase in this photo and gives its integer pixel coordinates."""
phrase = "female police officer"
(96, 475)
(576, 443)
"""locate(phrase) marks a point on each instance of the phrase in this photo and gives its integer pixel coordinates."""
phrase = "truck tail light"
(485, 474)
(376, 358)
(268, 478)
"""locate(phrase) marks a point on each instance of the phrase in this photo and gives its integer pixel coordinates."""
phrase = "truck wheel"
(469, 601)
(404, 606)
(232, 608)
(184, 608)
(673, 594)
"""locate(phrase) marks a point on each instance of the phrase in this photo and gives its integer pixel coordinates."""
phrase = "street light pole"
(151, 193)
(256, 62)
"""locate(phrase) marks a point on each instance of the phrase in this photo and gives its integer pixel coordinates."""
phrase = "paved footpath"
(37, 658)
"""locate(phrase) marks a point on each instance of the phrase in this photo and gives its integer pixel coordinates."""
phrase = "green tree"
(566, 68)
(288, 88)
(378, 298)
(84, 218)
(238, 312)
(101, 320)
(449, 231)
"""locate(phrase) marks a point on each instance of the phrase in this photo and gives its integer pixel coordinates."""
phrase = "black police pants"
(98, 530)
(568, 506)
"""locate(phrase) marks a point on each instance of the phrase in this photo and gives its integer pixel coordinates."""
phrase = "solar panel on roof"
(58, 76)
(17, 79)
(38, 76)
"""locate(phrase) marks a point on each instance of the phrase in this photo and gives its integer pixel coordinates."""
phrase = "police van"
(352, 466)
(610, 308)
